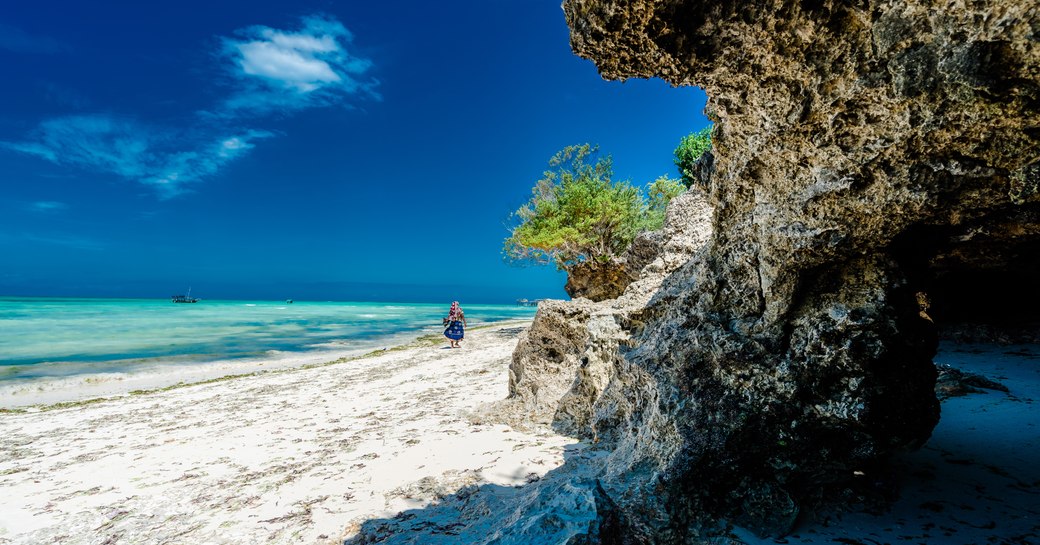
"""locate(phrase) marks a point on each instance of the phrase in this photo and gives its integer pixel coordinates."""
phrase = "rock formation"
(955, 382)
(872, 160)
(564, 360)
(598, 281)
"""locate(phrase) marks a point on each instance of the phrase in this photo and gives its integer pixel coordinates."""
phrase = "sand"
(294, 456)
(975, 482)
(308, 455)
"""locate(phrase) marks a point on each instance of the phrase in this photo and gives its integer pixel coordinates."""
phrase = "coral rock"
(864, 153)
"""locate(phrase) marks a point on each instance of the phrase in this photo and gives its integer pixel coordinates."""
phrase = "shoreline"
(84, 388)
(300, 456)
(314, 454)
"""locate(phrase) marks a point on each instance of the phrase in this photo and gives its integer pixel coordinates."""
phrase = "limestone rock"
(863, 153)
(651, 257)
(565, 359)
(871, 160)
(545, 360)
(597, 281)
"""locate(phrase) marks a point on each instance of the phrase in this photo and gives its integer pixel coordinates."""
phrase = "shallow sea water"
(58, 337)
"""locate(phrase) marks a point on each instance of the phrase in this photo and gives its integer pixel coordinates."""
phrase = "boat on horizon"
(184, 298)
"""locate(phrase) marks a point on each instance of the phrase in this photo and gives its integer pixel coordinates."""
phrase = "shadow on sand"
(550, 509)
(977, 480)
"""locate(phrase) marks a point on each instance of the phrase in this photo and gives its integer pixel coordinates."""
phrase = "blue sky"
(315, 150)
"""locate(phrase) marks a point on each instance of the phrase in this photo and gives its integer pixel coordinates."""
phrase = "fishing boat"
(184, 298)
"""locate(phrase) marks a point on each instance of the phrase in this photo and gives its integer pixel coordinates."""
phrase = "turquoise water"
(47, 337)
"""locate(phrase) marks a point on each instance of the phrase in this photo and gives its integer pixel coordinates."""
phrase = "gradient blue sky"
(312, 149)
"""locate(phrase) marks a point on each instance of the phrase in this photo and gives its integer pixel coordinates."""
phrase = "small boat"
(288, 301)
(184, 298)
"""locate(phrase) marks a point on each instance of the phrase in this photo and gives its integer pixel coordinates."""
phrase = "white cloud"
(101, 142)
(161, 158)
(289, 70)
(275, 72)
(286, 65)
(207, 160)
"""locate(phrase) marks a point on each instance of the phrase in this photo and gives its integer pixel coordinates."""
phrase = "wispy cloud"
(289, 70)
(19, 41)
(47, 206)
(275, 72)
(149, 155)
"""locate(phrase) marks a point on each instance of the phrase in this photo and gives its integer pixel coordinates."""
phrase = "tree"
(577, 213)
(659, 193)
(690, 149)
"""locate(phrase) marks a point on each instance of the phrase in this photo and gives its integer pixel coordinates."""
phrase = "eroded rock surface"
(955, 382)
(863, 156)
(871, 160)
(598, 281)
(566, 358)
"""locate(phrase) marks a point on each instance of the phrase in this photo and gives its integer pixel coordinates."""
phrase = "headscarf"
(455, 314)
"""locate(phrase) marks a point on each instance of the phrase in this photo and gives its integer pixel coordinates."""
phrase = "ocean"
(43, 338)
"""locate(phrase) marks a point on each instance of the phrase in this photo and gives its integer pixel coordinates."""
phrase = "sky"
(315, 150)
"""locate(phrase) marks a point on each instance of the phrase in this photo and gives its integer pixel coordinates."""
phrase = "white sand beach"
(976, 482)
(295, 456)
(308, 455)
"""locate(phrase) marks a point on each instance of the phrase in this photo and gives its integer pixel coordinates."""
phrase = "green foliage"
(659, 193)
(578, 213)
(690, 149)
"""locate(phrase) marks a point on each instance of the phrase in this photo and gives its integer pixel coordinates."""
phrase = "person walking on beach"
(456, 325)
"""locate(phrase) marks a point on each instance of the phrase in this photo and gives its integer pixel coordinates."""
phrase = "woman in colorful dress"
(456, 325)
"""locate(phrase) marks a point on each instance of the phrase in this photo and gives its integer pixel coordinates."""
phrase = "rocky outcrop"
(545, 361)
(955, 382)
(598, 281)
(872, 161)
(565, 359)
(863, 154)
(652, 255)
